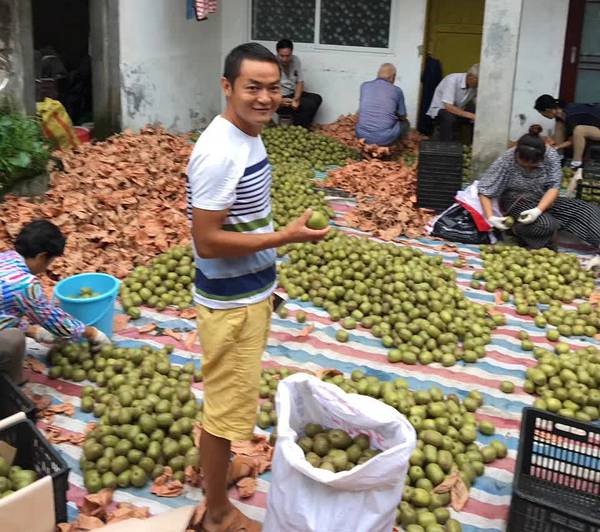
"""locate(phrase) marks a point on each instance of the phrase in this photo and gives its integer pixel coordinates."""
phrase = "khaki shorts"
(233, 341)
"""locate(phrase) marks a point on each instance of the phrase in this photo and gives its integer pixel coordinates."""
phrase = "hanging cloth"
(205, 8)
(190, 9)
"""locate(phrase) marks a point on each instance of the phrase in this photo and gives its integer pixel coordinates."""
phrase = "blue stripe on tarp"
(236, 286)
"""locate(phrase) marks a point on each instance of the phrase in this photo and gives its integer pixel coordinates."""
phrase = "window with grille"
(356, 23)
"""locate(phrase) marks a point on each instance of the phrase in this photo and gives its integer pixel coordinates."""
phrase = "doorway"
(62, 64)
(581, 62)
(96, 43)
(452, 44)
(453, 33)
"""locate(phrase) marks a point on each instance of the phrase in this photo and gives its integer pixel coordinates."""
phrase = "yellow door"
(454, 33)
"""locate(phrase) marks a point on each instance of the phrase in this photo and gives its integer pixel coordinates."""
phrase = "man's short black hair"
(250, 50)
(284, 43)
(40, 236)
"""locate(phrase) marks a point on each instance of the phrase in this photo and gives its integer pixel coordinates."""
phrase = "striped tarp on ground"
(489, 500)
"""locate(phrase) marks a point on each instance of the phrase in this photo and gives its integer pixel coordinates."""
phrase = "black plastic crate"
(443, 188)
(588, 188)
(436, 174)
(13, 400)
(434, 204)
(439, 175)
(34, 452)
(557, 476)
(436, 147)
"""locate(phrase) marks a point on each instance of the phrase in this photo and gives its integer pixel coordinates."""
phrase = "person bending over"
(24, 309)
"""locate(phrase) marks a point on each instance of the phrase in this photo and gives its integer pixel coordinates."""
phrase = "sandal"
(235, 522)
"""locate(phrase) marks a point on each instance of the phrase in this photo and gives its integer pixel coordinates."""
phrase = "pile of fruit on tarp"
(119, 202)
(146, 410)
(406, 298)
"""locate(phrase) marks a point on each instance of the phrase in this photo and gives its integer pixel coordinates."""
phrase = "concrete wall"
(168, 65)
(336, 73)
(539, 60)
(16, 52)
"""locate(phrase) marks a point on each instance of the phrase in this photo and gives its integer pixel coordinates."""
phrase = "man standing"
(24, 309)
(382, 112)
(300, 106)
(229, 195)
(450, 100)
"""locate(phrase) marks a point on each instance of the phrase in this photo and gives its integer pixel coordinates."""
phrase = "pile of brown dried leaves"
(120, 202)
(386, 197)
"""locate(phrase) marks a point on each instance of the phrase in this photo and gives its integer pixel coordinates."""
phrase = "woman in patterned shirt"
(24, 309)
(526, 181)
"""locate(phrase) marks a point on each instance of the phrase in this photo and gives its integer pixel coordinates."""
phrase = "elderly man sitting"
(451, 99)
(382, 112)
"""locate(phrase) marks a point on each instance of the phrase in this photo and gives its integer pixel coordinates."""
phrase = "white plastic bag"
(306, 499)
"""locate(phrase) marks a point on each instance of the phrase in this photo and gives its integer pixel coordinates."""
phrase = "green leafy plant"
(23, 151)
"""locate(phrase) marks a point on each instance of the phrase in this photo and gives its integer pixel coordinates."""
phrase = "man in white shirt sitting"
(450, 100)
(296, 104)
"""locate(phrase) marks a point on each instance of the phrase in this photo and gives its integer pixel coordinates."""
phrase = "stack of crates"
(557, 478)
(588, 188)
(440, 174)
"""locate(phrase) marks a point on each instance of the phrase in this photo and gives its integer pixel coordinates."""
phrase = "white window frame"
(317, 46)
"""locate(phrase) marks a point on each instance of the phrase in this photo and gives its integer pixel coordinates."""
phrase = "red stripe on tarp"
(501, 423)
(59, 385)
(486, 510)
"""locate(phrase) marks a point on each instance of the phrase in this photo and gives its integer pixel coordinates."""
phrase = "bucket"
(95, 311)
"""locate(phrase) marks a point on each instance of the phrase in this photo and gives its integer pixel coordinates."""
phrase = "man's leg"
(580, 135)
(446, 123)
(309, 105)
(232, 342)
(12, 353)
(215, 452)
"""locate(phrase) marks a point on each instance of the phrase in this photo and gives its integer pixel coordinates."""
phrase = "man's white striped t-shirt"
(229, 170)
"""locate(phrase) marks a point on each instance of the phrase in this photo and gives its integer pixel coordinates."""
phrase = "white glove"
(529, 216)
(40, 335)
(97, 339)
(498, 222)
